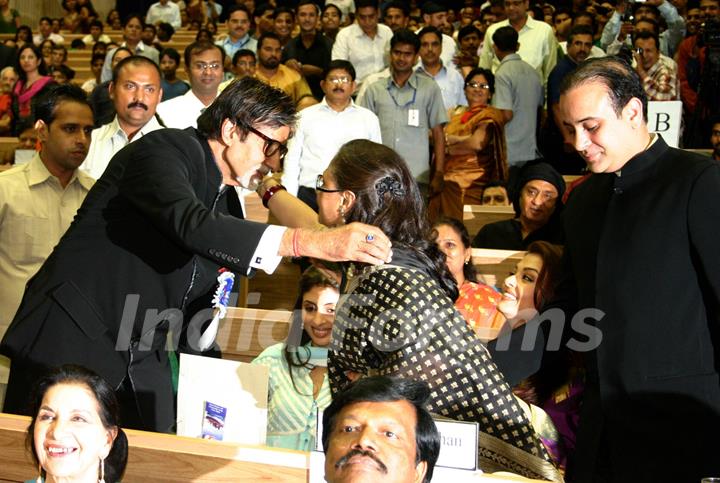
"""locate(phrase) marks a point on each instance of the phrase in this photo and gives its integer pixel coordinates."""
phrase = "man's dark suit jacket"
(150, 236)
(643, 248)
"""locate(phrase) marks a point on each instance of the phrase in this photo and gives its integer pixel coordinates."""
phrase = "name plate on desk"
(458, 444)
(665, 117)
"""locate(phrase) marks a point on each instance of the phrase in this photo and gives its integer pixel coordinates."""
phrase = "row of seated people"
(76, 435)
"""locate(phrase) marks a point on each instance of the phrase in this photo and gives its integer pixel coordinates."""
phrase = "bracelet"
(270, 192)
(296, 252)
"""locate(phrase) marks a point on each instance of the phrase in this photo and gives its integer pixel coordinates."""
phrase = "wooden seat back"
(245, 333)
(477, 216)
(166, 457)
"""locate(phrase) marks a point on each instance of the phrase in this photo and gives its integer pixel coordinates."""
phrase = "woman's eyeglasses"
(477, 85)
(320, 185)
(272, 146)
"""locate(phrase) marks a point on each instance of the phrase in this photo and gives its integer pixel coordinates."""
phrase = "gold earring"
(40, 477)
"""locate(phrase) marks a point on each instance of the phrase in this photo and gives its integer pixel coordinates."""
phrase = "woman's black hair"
(295, 351)
(108, 410)
(387, 196)
(468, 268)
(27, 30)
(42, 68)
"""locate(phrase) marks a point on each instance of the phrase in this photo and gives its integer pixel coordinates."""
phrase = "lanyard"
(412, 101)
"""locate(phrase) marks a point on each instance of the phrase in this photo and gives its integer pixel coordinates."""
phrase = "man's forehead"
(72, 112)
(400, 412)
(338, 73)
(239, 15)
(213, 53)
(583, 39)
(139, 74)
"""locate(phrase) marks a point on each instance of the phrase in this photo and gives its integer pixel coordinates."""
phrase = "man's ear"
(111, 90)
(420, 471)
(42, 130)
(633, 112)
(228, 130)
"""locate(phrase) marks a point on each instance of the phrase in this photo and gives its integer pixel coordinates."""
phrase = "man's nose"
(366, 440)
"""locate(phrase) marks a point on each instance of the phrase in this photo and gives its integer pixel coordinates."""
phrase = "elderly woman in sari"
(399, 319)
(475, 144)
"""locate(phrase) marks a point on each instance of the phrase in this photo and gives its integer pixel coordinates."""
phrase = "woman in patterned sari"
(475, 144)
(399, 319)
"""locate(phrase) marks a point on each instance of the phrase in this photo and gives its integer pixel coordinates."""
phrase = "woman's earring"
(40, 477)
(102, 471)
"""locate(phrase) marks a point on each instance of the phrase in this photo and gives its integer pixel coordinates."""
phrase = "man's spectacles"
(320, 185)
(204, 66)
(477, 85)
(272, 146)
(339, 80)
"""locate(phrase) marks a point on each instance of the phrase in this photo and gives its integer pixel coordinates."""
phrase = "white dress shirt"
(108, 140)
(169, 13)
(538, 47)
(320, 132)
(182, 111)
(365, 54)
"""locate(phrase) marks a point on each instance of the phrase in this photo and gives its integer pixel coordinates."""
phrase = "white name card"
(458, 443)
(665, 117)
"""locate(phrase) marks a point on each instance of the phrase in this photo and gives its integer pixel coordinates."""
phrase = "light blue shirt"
(231, 47)
(518, 88)
(451, 83)
(292, 413)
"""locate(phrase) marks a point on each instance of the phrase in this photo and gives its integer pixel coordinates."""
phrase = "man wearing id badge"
(408, 105)
(148, 242)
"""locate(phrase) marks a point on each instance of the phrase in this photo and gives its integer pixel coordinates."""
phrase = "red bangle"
(296, 233)
(270, 192)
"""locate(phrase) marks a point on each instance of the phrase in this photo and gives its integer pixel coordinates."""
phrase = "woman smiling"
(74, 435)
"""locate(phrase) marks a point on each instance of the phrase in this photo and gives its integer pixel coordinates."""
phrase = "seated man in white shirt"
(135, 91)
(204, 64)
(164, 11)
(323, 128)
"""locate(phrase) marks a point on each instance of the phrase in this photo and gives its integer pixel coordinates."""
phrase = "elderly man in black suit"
(150, 240)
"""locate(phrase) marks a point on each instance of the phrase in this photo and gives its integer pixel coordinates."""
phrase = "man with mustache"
(379, 430)
(323, 128)
(135, 92)
(272, 72)
(150, 242)
(39, 199)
